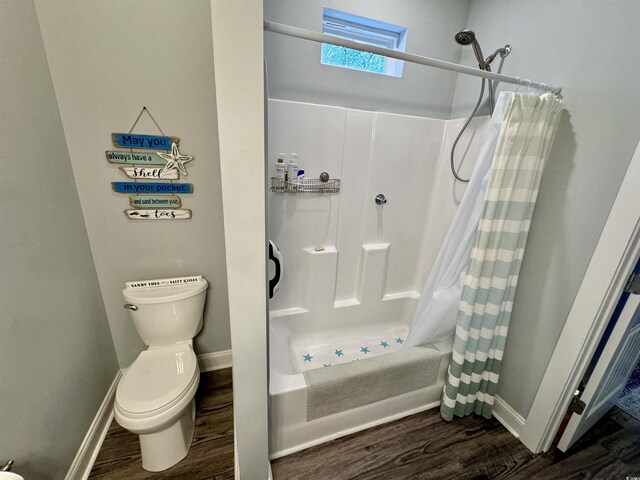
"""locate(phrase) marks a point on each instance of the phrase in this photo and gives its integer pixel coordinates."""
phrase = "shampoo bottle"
(300, 180)
(281, 168)
(292, 168)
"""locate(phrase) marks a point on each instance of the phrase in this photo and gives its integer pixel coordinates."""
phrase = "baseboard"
(508, 417)
(214, 361)
(88, 451)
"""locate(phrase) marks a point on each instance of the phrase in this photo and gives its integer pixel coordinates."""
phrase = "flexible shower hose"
(466, 124)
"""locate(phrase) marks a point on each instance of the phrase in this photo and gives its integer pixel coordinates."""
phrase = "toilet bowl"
(155, 396)
(154, 400)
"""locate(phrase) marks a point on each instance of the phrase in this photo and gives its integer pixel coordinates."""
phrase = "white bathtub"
(353, 270)
(296, 333)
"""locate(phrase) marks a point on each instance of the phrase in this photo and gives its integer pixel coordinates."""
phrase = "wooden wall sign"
(159, 214)
(162, 160)
(150, 173)
(155, 201)
(147, 142)
(133, 187)
(139, 158)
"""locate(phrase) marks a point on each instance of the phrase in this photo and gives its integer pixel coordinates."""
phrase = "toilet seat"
(157, 380)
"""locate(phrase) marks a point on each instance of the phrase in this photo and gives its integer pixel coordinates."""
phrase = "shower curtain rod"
(407, 57)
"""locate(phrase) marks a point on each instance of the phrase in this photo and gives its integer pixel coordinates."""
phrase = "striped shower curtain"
(492, 275)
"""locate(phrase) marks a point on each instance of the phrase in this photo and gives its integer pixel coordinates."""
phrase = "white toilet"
(155, 397)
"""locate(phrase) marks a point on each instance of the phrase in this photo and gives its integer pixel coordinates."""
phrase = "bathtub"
(300, 339)
(353, 270)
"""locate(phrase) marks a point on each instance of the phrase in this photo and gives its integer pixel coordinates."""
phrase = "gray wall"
(56, 354)
(588, 47)
(295, 72)
(155, 53)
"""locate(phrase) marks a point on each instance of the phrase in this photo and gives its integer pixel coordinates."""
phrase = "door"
(616, 363)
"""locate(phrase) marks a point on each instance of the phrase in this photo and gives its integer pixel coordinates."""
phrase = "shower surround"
(353, 269)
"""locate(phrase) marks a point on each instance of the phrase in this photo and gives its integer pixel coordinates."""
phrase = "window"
(362, 30)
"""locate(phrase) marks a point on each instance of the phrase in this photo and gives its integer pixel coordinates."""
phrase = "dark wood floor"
(423, 446)
(210, 456)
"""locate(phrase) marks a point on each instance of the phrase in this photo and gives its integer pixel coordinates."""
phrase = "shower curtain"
(528, 130)
(437, 310)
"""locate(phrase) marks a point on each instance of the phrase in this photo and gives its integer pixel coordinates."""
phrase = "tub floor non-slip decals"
(346, 349)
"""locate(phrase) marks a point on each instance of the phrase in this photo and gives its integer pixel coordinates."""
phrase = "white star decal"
(175, 160)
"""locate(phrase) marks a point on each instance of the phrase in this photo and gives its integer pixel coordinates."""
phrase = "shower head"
(465, 37)
(468, 37)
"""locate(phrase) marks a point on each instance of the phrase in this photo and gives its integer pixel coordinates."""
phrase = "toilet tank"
(166, 311)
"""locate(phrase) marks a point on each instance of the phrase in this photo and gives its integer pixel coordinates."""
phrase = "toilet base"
(163, 449)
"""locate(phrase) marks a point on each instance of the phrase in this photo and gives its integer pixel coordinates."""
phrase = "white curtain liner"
(437, 310)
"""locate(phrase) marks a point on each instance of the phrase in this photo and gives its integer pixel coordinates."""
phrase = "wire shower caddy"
(307, 185)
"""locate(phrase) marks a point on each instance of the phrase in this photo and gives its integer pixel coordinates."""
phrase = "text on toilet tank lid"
(163, 282)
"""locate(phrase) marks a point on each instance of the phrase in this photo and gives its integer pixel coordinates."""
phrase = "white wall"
(374, 260)
(107, 60)
(295, 72)
(371, 153)
(588, 47)
(57, 359)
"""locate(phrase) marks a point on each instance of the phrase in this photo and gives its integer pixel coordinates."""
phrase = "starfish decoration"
(399, 340)
(384, 344)
(175, 160)
(307, 357)
(339, 353)
(364, 349)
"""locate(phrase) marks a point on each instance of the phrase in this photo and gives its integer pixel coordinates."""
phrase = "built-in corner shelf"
(308, 185)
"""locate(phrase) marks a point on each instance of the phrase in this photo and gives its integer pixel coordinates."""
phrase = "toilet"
(155, 396)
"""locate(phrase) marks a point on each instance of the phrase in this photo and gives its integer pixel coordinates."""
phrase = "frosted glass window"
(362, 30)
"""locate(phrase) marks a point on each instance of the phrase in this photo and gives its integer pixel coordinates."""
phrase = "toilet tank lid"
(164, 290)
